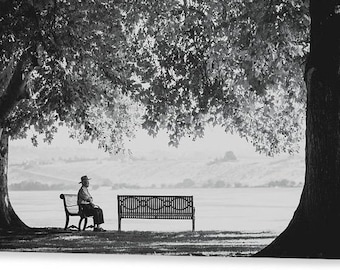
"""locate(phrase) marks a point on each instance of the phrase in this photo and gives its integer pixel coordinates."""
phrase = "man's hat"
(83, 178)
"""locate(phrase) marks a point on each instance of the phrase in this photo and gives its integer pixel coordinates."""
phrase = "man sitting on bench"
(85, 201)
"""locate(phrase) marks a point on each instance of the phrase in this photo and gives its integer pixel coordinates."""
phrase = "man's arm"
(84, 197)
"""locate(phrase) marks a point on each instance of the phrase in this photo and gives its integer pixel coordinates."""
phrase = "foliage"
(37, 186)
(76, 71)
(238, 64)
(281, 183)
(186, 64)
(229, 156)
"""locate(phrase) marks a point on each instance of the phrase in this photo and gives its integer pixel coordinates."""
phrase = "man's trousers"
(96, 212)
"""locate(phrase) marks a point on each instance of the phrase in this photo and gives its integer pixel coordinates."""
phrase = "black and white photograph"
(178, 134)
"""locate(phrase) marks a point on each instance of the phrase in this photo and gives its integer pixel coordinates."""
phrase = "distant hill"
(58, 168)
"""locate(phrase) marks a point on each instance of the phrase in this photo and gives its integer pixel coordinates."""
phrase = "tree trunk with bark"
(314, 230)
(9, 221)
(13, 93)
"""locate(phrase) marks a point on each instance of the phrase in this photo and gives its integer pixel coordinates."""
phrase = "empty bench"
(155, 207)
(73, 209)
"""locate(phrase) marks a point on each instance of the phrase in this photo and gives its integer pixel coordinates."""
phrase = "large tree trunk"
(14, 91)
(314, 230)
(9, 221)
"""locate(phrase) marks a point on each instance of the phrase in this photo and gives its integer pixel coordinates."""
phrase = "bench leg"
(193, 224)
(85, 223)
(67, 221)
(119, 224)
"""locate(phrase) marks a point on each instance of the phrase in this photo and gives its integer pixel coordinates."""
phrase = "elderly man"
(86, 202)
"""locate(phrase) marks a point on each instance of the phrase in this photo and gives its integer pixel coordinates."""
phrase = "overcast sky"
(215, 142)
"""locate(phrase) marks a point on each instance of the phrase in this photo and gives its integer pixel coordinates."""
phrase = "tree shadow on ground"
(187, 243)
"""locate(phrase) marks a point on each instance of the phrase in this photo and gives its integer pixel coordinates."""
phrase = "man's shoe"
(98, 230)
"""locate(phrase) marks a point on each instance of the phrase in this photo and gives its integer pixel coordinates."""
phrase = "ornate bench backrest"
(70, 203)
(153, 207)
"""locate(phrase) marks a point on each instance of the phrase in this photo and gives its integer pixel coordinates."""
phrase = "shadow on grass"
(186, 243)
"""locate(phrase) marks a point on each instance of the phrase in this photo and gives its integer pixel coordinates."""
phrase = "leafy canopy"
(235, 63)
(76, 73)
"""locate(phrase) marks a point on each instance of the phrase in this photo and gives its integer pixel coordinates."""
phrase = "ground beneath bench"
(200, 243)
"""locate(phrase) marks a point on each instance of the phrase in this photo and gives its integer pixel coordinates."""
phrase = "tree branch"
(15, 89)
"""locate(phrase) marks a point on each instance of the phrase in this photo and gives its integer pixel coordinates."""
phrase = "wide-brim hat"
(83, 178)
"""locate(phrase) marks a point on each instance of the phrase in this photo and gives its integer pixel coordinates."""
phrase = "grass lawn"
(200, 243)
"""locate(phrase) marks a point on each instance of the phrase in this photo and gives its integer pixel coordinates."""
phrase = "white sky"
(215, 142)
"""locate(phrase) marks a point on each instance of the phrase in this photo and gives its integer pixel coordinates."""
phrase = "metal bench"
(73, 209)
(155, 207)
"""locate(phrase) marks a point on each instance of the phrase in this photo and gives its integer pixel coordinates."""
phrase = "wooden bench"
(73, 209)
(155, 207)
